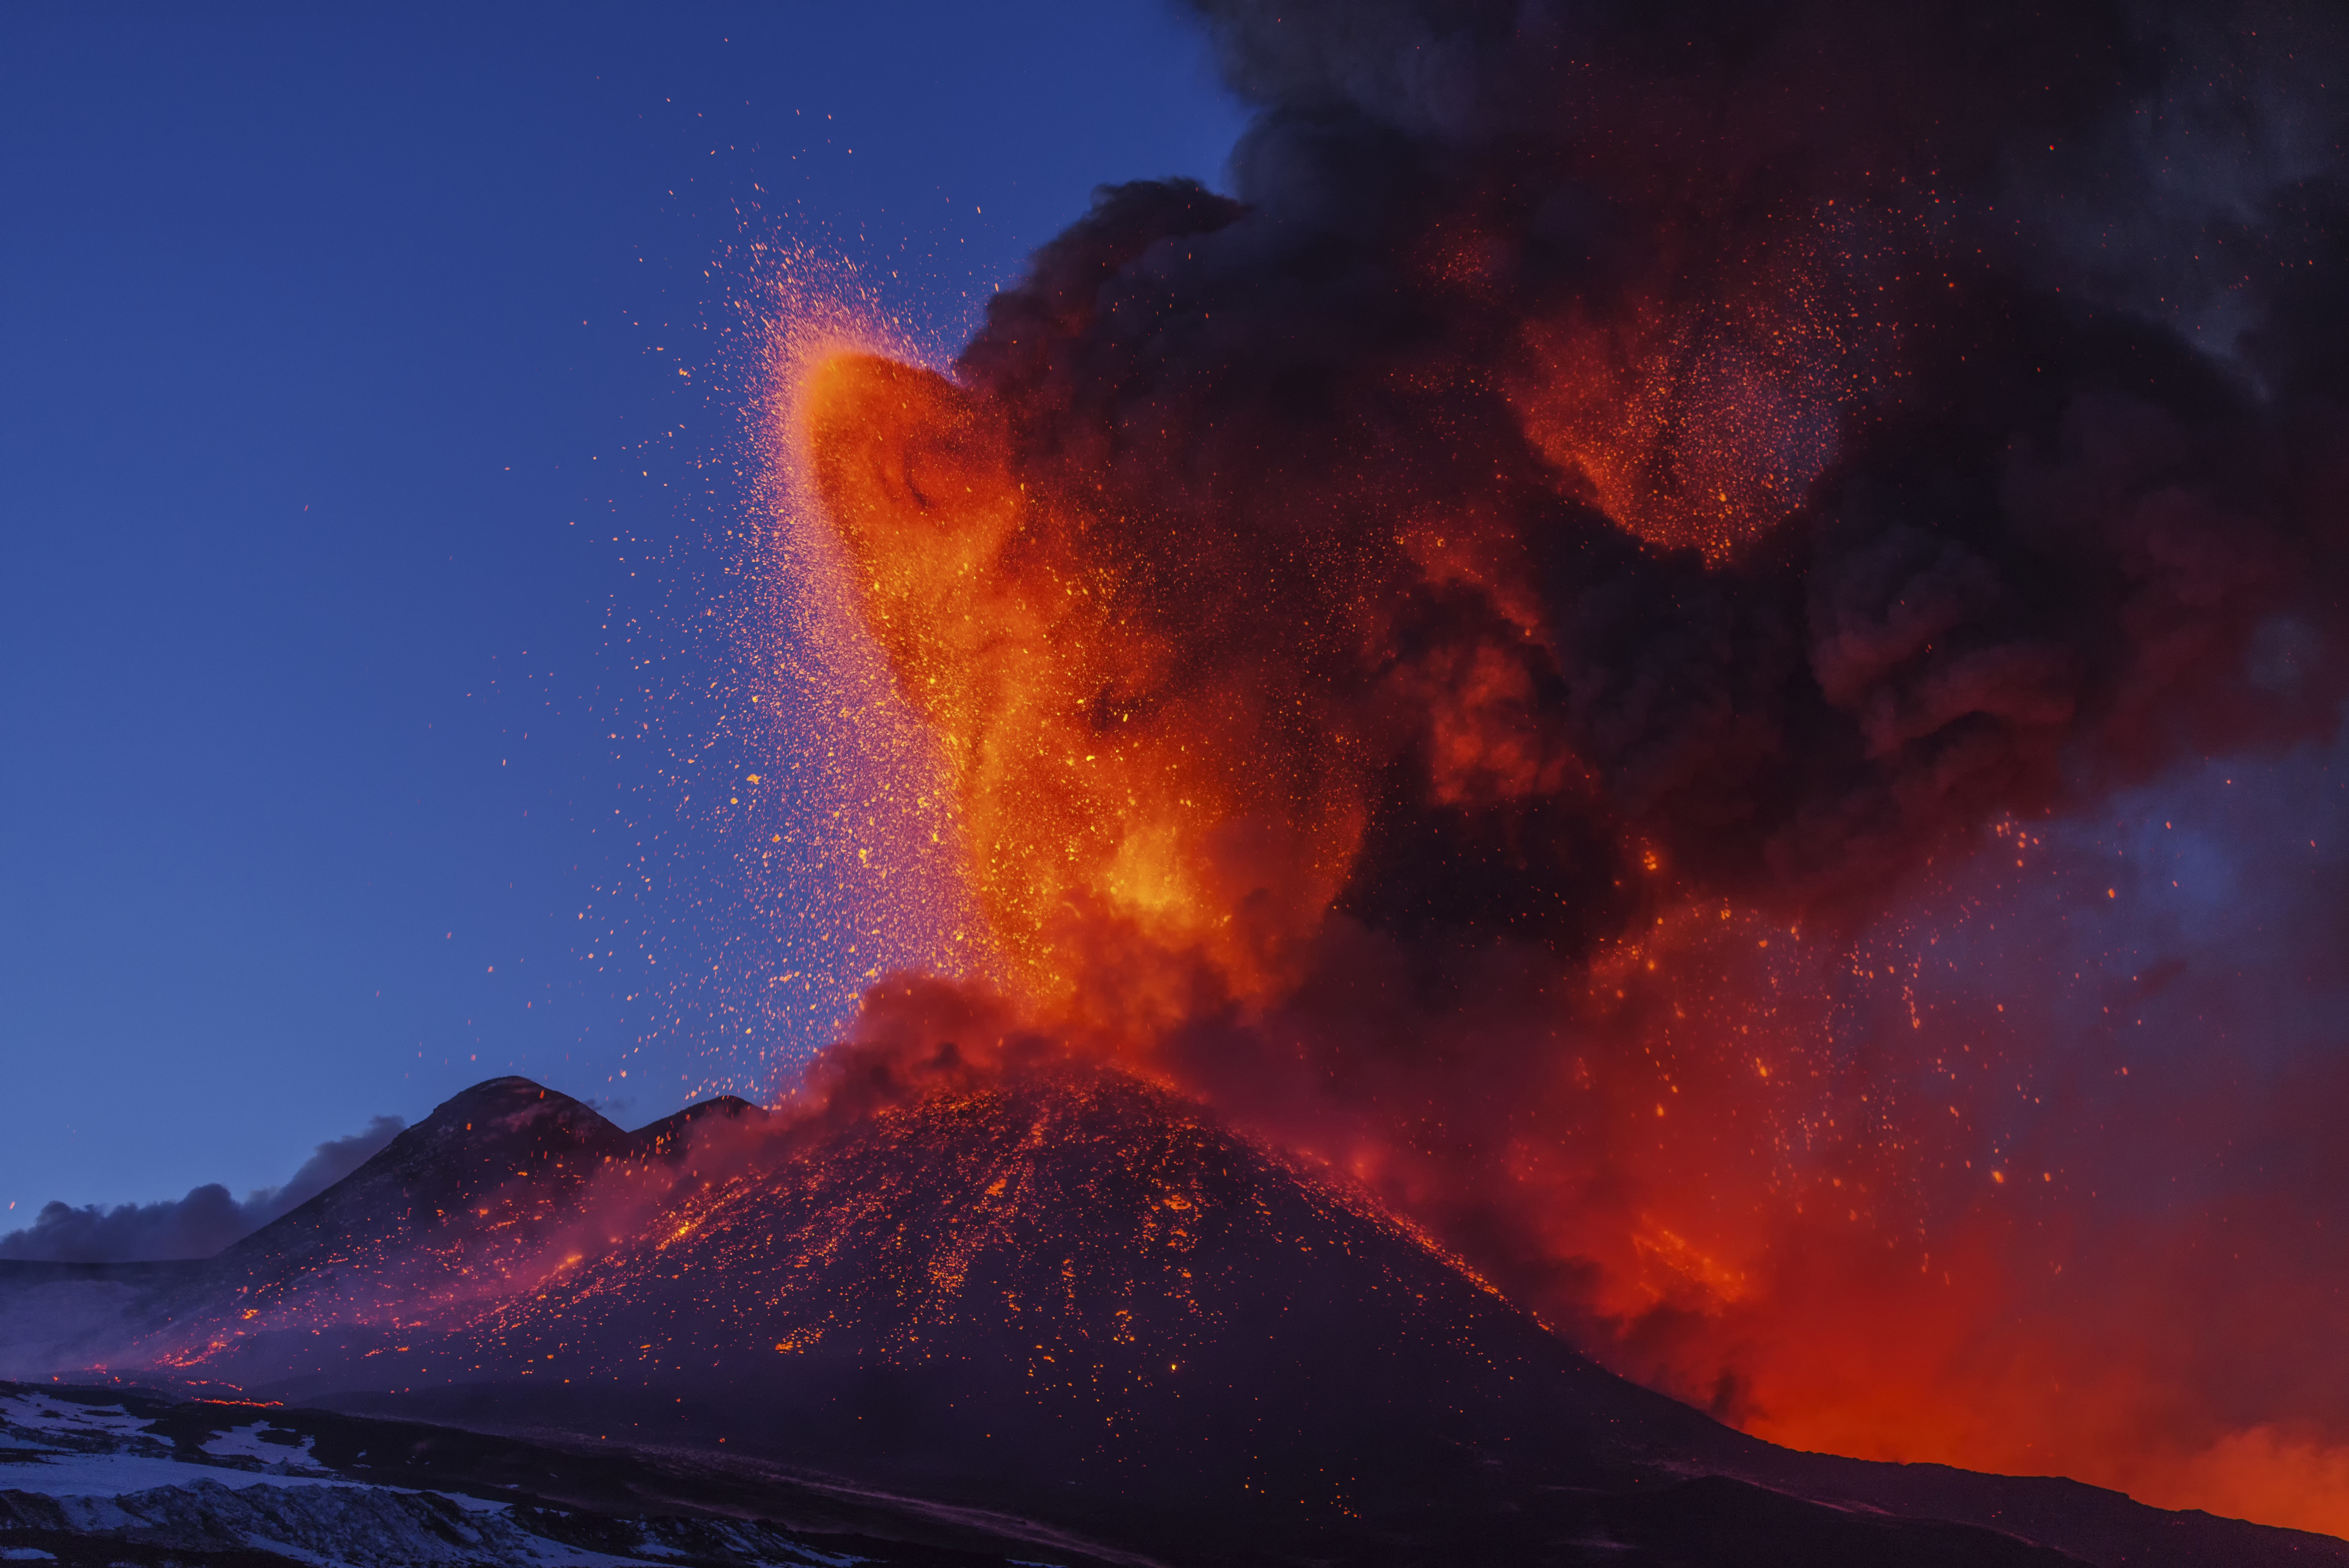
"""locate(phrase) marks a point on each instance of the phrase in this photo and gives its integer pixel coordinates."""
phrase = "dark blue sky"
(323, 330)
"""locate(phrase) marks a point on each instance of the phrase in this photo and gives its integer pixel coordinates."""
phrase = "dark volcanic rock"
(1070, 1286)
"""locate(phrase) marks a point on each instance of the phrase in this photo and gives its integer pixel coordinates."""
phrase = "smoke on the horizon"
(196, 1226)
(1633, 641)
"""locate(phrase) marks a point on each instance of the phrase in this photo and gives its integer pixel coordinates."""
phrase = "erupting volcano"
(1644, 752)
(1615, 643)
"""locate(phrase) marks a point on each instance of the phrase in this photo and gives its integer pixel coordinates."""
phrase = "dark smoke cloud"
(1734, 492)
(2048, 518)
(195, 1226)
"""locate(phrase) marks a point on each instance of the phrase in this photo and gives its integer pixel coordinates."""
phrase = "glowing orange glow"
(1093, 789)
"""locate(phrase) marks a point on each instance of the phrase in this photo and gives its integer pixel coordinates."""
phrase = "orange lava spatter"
(1092, 782)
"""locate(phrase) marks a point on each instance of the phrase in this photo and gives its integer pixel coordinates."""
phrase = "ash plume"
(2021, 538)
(1516, 651)
(196, 1226)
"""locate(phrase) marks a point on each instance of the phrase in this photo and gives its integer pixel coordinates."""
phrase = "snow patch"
(246, 1442)
(112, 1475)
(60, 1473)
(62, 1418)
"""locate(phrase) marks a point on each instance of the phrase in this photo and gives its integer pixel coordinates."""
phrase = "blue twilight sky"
(324, 331)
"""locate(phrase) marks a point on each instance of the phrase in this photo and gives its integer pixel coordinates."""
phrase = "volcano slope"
(470, 1204)
(1065, 1294)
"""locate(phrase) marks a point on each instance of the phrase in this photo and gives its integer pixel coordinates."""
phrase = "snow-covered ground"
(247, 1443)
(116, 1475)
(97, 1471)
(111, 1475)
(103, 1450)
(324, 1525)
(62, 1418)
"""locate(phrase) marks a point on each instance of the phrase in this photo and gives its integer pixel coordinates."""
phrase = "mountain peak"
(522, 1112)
(670, 1135)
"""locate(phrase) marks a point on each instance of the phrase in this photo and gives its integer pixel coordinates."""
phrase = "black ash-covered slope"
(673, 1135)
(479, 1189)
(1070, 1286)
(445, 1201)
(466, 1205)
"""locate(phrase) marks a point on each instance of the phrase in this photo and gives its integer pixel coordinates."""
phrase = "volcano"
(1058, 1293)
